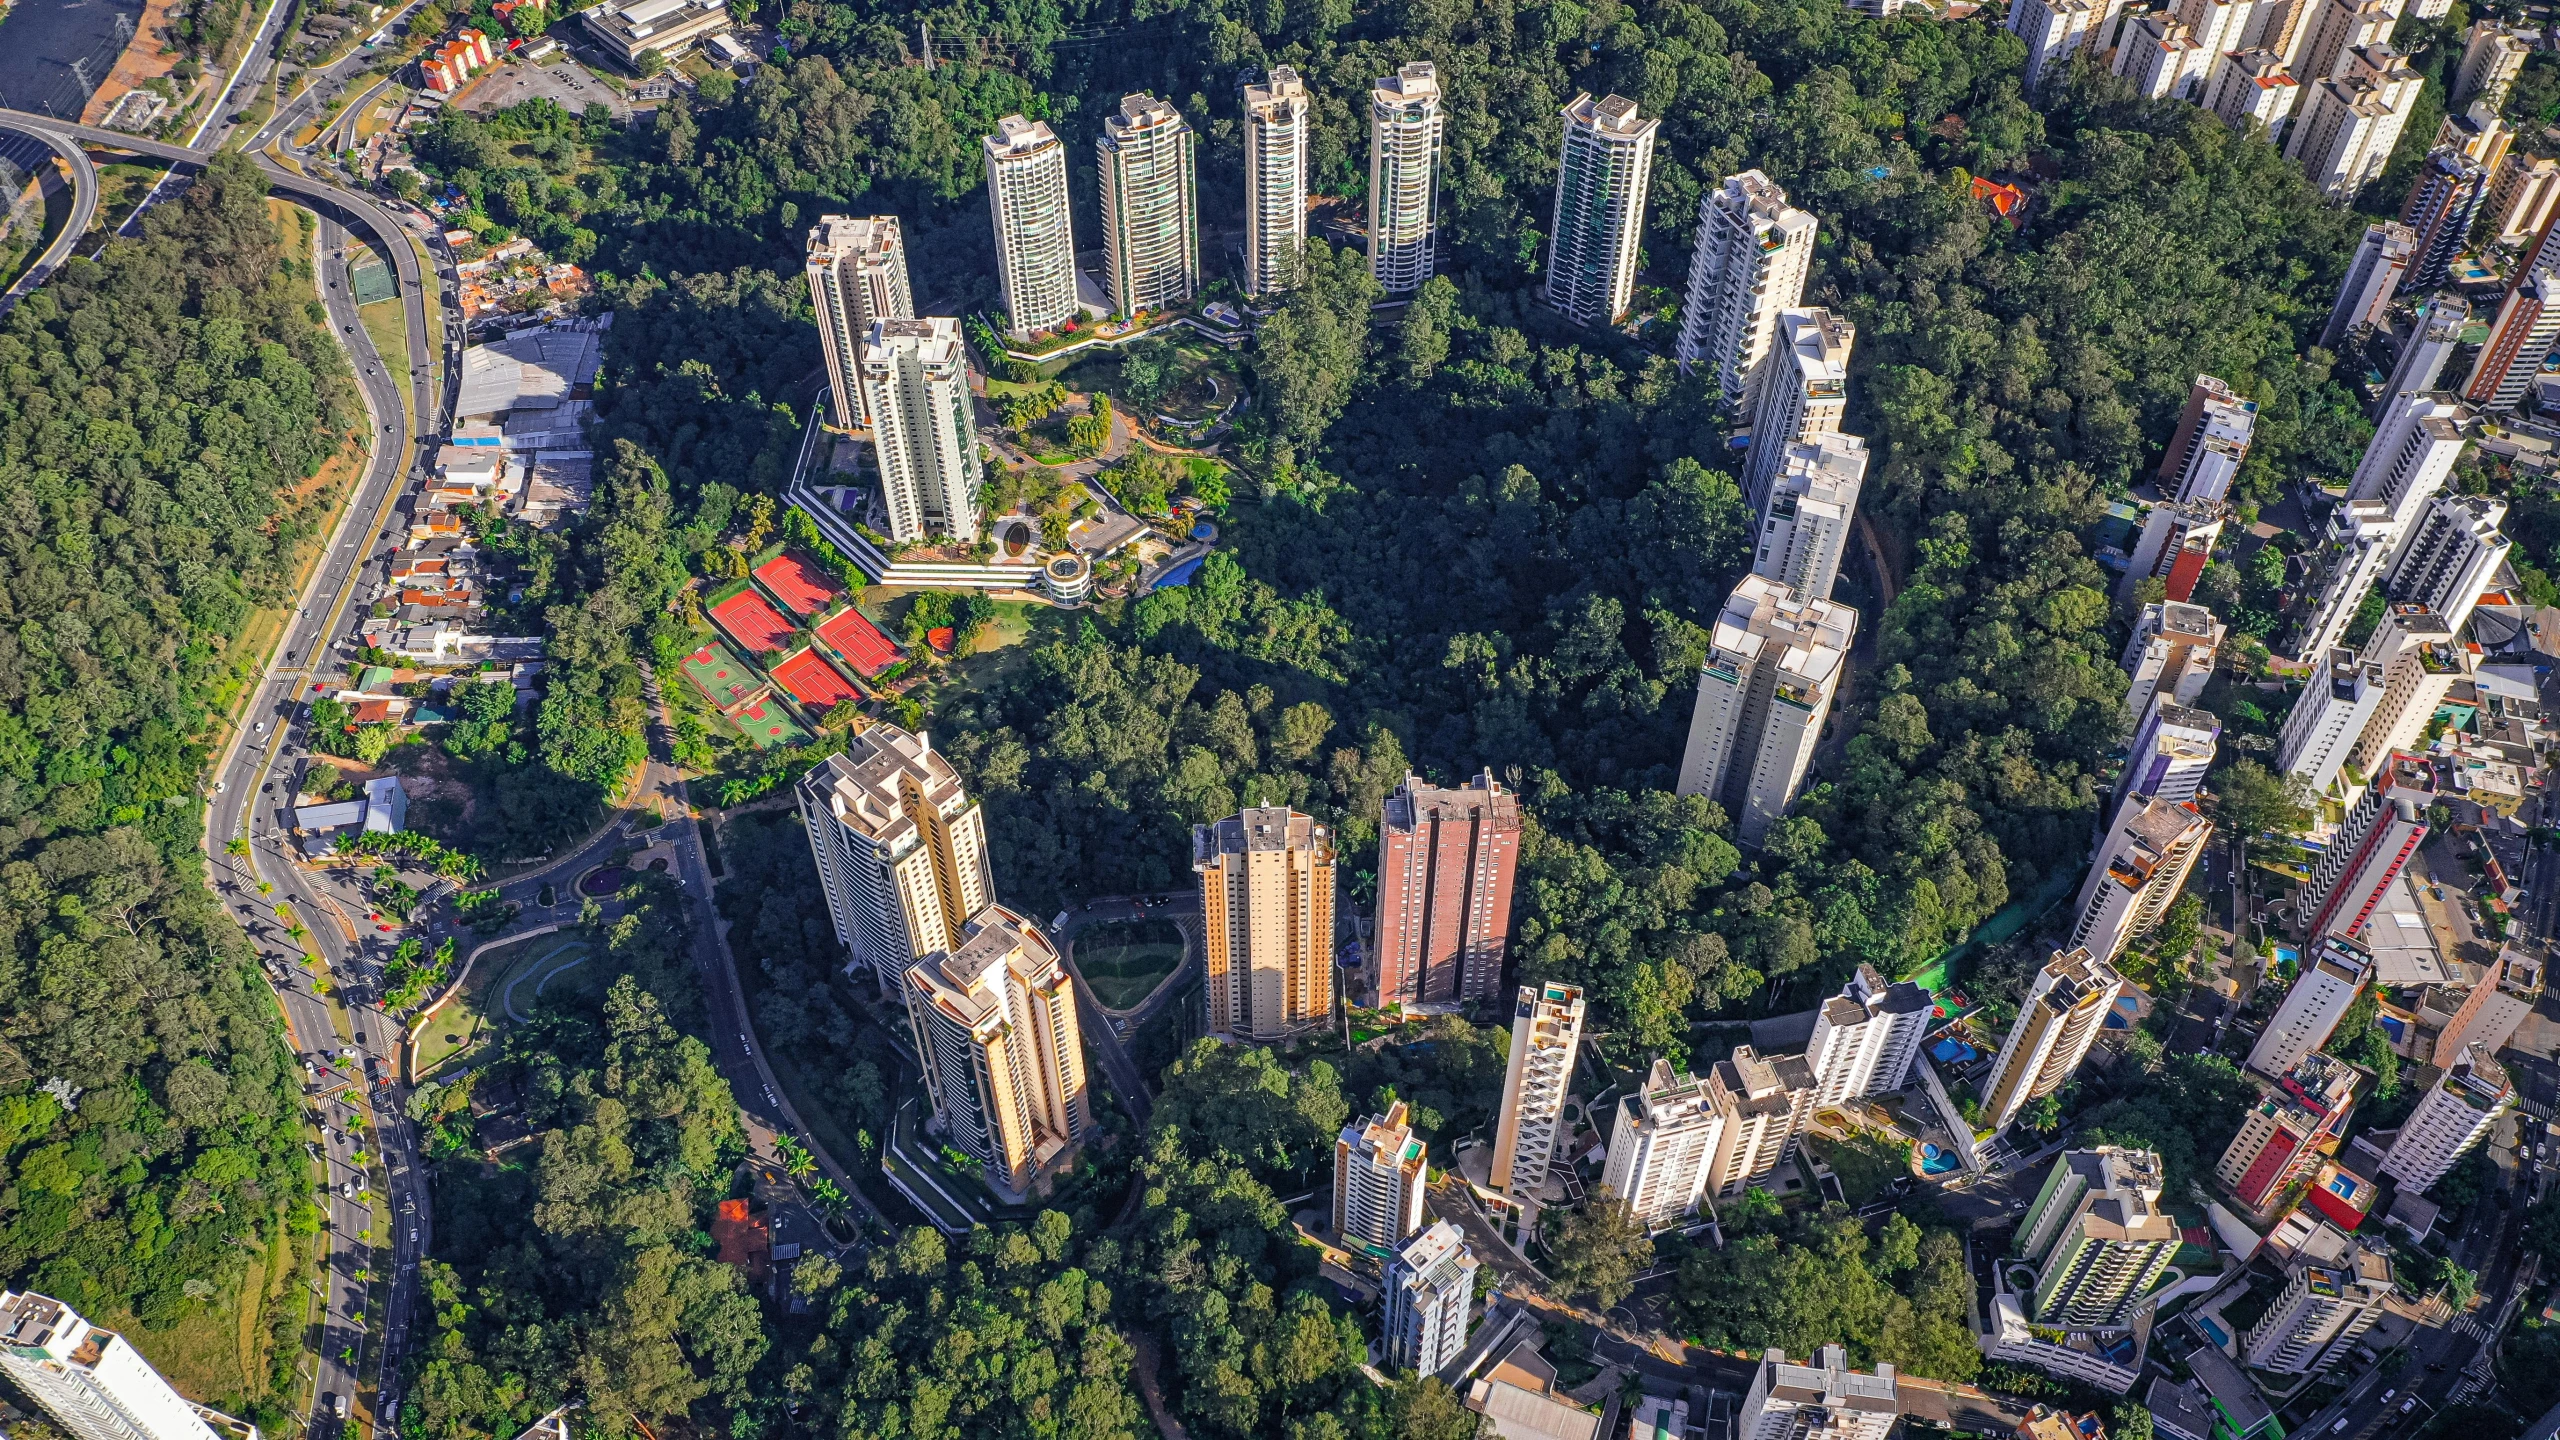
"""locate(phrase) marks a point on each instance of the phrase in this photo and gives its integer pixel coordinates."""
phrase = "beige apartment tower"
(2066, 1004)
(995, 1020)
(1277, 132)
(915, 391)
(1150, 211)
(1404, 177)
(1662, 1148)
(1266, 919)
(1598, 222)
(1379, 1168)
(1773, 662)
(1035, 234)
(1803, 398)
(1546, 1030)
(1765, 1102)
(857, 274)
(1749, 263)
(900, 847)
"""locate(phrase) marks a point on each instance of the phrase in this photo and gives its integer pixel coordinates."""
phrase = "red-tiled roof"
(803, 588)
(751, 622)
(939, 637)
(860, 642)
(812, 681)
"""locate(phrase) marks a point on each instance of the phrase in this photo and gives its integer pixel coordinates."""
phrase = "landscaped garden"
(1124, 960)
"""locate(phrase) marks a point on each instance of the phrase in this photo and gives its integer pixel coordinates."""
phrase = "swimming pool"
(2213, 1332)
(1180, 574)
(1952, 1052)
(1934, 1161)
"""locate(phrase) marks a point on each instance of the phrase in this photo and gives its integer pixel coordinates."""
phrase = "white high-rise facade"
(2411, 454)
(915, 388)
(2335, 30)
(1597, 227)
(994, 1018)
(2458, 1113)
(2360, 542)
(2141, 866)
(900, 847)
(1150, 209)
(1379, 1166)
(2320, 1314)
(2172, 748)
(2054, 31)
(1866, 1037)
(2251, 85)
(2373, 277)
(2332, 976)
(2450, 557)
(2171, 654)
(1277, 136)
(2327, 716)
(1662, 1146)
(1546, 1032)
(1820, 1400)
(2065, 1005)
(1430, 1284)
(1804, 522)
(1763, 694)
(2442, 320)
(1749, 263)
(2364, 855)
(1803, 398)
(2421, 663)
(1404, 177)
(857, 274)
(2351, 120)
(89, 1381)
(2098, 1236)
(1035, 233)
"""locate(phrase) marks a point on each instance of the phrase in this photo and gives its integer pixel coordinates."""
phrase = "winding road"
(84, 212)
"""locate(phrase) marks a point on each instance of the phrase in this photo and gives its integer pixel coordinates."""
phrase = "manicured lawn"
(1126, 959)
(544, 965)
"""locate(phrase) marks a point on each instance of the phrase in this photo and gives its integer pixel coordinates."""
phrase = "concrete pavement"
(84, 212)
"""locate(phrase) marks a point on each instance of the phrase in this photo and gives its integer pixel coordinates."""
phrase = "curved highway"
(84, 211)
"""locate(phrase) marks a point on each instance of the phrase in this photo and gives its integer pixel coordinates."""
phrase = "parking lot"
(564, 81)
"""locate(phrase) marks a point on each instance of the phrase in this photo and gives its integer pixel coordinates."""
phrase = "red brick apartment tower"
(1445, 859)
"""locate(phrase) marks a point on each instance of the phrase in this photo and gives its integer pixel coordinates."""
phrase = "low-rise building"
(630, 30)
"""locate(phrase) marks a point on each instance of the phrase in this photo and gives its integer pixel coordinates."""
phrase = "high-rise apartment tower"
(857, 274)
(1546, 1030)
(1445, 862)
(2065, 1005)
(1150, 208)
(915, 388)
(1750, 260)
(1772, 665)
(900, 847)
(1598, 223)
(1266, 917)
(1035, 233)
(1404, 177)
(1277, 135)
(994, 1019)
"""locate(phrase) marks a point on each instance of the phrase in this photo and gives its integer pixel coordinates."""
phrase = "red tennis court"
(859, 641)
(813, 682)
(802, 588)
(751, 622)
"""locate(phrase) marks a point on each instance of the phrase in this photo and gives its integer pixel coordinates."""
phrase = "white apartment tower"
(2320, 732)
(1277, 135)
(2098, 1236)
(1035, 234)
(1379, 1166)
(2320, 1314)
(89, 1381)
(2411, 454)
(900, 847)
(2450, 557)
(2383, 829)
(1750, 261)
(2065, 1005)
(1404, 177)
(1266, 916)
(2360, 542)
(2442, 319)
(2137, 874)
(2491, 59)
(1866, 1037)
(2458, 1112)
(1763, 694)
(1804, 522)
(2252, 85)
(1430, 1284)
(2331, 979)
(2054, 31)
(2420, 662)
(1663, 1145)
(1546, 1030)
(1150, 208)
(1598, 225)
(1765, 1102)
(915, 388)
(1822, 1400)
(994, 1019)
(2351, 121)
(2172, 749)
(2373, 277)
(2335, 30)
(857, 274)
(2171, 654)
(1804, 397)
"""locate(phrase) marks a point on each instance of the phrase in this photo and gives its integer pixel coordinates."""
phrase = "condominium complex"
(1765, 1102)
(2434, 335)
(1866, 1038)
(1277, 137)
(1804, 523)
(1445, 862)
(857, 274)
(915, 389)
(2459, 1111)
(2335, 29)
(1266, 920)
(2336, 700)
(1598, 222)
(2421, 662)
(900, 847)
(2409, 457)
(2173, 746)
(2065, 1005)
(1803, 398)
(2054, 31)
(2281, 1138)
(1821, 1400)
(1404, 177)
(2364, 856)
(2351, 121)
(1663, 1146)
(1431, 1282)
(2492, 57)
(1150, 207)
(1546, 1031)
(994, 1019)
(2170, 655)
(2252, 86)
(2332, 976)
(89, 1381)
(1766, 688)
(1379, 1167)
(2140, 867)
(1035, 234)
(2098, 1236)
(2450, 189)
(1749, 263)
(2373, 277)
(2519, 342)
(2320, 1314)
(2522, 197)
(2450, 557)
(2210, 443)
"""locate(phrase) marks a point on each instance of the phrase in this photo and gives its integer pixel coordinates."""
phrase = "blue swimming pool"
(1952, 1052)
(2213, 1332)
(1180, 574)
(1934, 1161)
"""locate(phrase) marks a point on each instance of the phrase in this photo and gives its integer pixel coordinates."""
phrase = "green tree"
(1310, 353)
(1599, 1250)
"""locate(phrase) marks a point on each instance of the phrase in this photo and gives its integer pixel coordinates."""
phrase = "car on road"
(2409, 1404)
(745, 1044)
(338, 1405)
(413, 1234)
